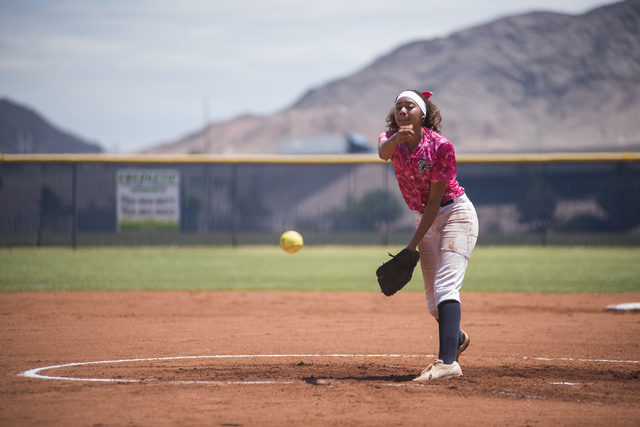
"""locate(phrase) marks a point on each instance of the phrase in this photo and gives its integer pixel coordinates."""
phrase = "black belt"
(447, 203)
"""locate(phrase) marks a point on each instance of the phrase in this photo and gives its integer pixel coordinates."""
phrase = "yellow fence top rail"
(309, 159)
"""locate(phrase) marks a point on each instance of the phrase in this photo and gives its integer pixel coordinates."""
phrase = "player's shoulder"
(436, 137)
(439, 142)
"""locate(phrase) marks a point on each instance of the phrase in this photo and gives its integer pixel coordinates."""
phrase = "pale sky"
(131, 74)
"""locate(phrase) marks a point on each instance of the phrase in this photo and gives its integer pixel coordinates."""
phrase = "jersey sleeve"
(385, 136)
(444, 168)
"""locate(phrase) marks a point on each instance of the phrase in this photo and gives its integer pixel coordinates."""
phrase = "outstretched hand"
(405, 134)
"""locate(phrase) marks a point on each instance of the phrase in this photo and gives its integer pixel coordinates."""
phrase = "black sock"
(449, 315)
(460, 336)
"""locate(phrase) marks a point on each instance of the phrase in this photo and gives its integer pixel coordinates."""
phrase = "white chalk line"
(570, 359)
(36, 372)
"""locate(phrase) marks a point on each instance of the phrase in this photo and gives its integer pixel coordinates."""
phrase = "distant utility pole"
(205, 110)
(25, 142)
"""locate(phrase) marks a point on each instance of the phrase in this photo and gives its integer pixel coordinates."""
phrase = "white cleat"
(439, 371)
(464, 345)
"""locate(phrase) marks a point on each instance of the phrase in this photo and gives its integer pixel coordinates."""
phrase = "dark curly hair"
(432, 120)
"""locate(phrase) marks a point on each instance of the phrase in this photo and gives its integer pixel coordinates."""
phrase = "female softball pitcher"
(447, 224)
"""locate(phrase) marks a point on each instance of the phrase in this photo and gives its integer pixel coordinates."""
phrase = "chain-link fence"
(102, 200)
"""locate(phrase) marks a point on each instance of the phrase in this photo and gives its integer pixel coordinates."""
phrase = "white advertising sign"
(148, 199)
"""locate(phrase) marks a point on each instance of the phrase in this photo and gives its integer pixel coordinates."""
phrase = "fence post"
(207, 190)
(74, 205)
(235, 214)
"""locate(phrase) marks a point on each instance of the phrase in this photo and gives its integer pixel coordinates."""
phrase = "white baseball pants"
(445, 251)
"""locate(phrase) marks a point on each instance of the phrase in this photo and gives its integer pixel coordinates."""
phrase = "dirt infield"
(303, 358)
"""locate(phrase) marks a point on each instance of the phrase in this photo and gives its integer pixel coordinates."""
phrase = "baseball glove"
(394, 274)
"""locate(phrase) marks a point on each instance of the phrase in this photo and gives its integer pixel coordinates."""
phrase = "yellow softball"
(291, 241)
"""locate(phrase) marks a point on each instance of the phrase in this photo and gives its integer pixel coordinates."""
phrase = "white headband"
(415, 98)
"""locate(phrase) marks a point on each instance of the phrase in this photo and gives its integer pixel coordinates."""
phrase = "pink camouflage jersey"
(433, 160)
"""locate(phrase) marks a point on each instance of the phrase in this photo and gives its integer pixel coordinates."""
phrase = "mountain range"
(24, 131)
(535, 82)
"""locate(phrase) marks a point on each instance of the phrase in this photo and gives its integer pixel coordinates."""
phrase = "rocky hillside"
(22, 131)
(534, 82)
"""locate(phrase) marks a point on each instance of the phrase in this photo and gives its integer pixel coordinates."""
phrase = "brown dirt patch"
(534, 359)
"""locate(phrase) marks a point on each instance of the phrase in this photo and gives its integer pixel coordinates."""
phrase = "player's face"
(408, 113)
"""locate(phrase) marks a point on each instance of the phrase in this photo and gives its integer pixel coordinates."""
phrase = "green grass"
(338, 268)
(554, 269)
